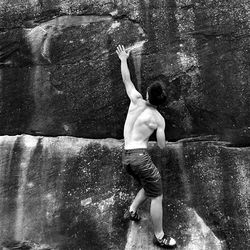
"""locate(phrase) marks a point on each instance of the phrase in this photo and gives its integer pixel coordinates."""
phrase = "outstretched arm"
(132, 93)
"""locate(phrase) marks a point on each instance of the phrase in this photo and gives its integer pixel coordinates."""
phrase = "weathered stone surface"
(58, 60)
(68, 193)
(68, 85)
(24, 245)
(20, 12)
(199, 234)
(218, 178)
(71, 193)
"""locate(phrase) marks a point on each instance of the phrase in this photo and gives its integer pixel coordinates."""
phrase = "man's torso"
(142, 120)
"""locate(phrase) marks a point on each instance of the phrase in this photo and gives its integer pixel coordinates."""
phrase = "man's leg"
(138, 200)
(156, 215)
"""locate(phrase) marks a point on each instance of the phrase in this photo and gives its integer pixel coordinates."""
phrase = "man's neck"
(151, 105)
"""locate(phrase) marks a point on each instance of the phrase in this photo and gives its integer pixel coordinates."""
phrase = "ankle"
(159, 235)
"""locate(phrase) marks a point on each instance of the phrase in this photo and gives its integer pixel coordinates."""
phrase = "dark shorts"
(138, 163)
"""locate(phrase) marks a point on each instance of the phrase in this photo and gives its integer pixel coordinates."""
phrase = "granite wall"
(59, 74)
(71, 193)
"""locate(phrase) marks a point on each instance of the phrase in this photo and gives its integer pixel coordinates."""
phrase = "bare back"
(142, 119)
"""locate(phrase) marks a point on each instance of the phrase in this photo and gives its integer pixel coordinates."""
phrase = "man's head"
(156, 94)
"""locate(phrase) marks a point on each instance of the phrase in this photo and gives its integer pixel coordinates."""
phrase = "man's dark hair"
(156, 94)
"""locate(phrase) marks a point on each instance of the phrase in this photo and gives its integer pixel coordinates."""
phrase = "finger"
(119, 48)
(123, 48)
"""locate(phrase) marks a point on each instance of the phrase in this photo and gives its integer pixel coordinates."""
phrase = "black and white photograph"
(124, 124)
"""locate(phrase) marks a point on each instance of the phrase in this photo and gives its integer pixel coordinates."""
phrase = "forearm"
(125, 71)
(160, 134)
(132, 93)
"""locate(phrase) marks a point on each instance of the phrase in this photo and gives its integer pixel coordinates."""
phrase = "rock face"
(59, 192)
(59, 74)
(71, 193)
(220, 187)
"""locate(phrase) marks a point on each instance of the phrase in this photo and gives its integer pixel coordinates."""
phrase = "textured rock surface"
(68, 193)
(59, 74)
(199, 236)
(71, 193)
(219, 179)
(24, 245)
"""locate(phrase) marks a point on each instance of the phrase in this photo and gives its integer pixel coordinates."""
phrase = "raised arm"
(160, 133)
(132, 93)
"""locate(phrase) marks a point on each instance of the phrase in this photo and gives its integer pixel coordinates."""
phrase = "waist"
(135, 150)
(131, 144)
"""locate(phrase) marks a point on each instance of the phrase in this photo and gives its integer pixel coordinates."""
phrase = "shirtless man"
(142, 119)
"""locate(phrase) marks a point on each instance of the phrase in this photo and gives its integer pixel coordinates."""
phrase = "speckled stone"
(218, 178)
(71, 193)
(59, 74)
(68, 193)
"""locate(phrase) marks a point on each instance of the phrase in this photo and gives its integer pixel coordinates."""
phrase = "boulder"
(59, 73)
(67, 193)
(24, 245)
(71, 193)
(68, 84)
(218, 181)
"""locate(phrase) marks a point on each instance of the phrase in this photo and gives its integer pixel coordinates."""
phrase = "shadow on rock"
(25, 245)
